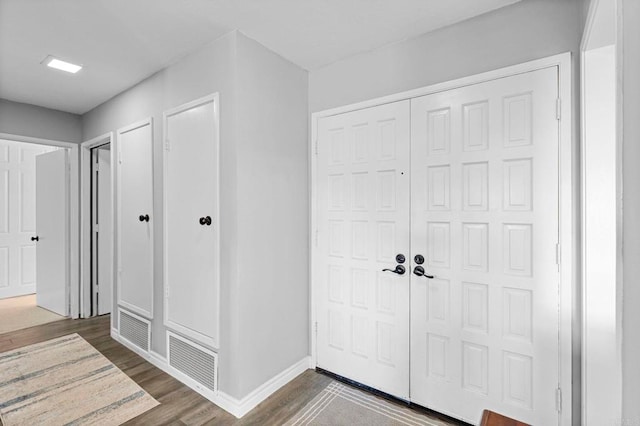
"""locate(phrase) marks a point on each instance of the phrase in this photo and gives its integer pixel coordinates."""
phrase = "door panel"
(363, 217)
(484, 202)
(52, 223)
(135, 218)
(191, 246)
(17, 217)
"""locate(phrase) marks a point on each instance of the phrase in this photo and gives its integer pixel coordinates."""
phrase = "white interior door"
(484, 331)
(102, 258)
(135, 218)
(191, 220)
(363, 224)
(52, 224)
(18, 217)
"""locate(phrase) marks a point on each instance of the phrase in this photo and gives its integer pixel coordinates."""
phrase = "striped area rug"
(65, 381)
(339, 404)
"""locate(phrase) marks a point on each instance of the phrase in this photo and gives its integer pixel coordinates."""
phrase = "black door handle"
(399, 270)
(36, 238)
(419, 271)
(205, 221)
(144, 218)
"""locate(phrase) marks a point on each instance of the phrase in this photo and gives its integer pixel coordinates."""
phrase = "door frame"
(73, 256)
(85, 216)
(567, 205)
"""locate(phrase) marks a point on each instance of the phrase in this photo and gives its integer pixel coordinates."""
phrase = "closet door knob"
(144, 218)
(205, 221)
(36, 238)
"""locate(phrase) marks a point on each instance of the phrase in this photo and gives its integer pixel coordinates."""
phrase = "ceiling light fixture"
(59, 64)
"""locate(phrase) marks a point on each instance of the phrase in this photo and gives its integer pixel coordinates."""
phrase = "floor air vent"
(194, 361)
(135, 330)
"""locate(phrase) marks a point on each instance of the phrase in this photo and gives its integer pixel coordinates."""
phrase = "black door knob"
(144, 218)
(419, 259)
(205, 221)
(400, 258)
(399, 270)
(36, 238)
(419, 271)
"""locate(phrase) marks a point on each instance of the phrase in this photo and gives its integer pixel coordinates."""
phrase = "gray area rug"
(339, 404)
(65, 381)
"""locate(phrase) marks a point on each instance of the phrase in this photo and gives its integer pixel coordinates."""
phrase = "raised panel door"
(363, 216)
(484, 202)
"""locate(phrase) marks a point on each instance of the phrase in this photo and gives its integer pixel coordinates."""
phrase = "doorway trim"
(568, 208)
(85, 217)
(73, 256)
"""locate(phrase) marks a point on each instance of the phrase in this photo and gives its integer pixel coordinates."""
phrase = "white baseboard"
(237, 407)
(262, 392)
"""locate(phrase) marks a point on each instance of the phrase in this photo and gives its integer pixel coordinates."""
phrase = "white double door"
(468, 180)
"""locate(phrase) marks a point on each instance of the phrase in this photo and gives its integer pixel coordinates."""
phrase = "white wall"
(263, 198)
(38, 122)
(629, 18)
(208, 70)
(273, 215)
(530, 29)
(601, 326)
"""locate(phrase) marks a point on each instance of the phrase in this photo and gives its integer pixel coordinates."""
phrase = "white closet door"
(135, 218)
(363, 223)
(191, 220)
(484, 331)
(18, 217)
(52, 200)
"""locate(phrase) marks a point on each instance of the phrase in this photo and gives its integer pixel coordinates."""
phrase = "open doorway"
(97, 224)
(34, 234)
(101, 284)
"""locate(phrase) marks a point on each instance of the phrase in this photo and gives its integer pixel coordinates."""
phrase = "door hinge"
(316, 238)
(120, 157)
(97, 167)
(559, 400)
(558, 108)
(167, 145)
(316, 327)
(96, 227)
(166, 291)
(316, 148)
(558, 254)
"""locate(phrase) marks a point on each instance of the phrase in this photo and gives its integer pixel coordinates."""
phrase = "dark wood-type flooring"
(179, 405)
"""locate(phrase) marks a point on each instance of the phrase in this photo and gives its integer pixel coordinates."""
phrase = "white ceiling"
(120, 42)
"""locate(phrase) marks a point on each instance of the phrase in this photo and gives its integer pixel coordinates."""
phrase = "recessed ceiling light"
(59, 64)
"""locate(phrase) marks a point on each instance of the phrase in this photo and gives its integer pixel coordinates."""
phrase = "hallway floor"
(179, 405)
(17, 313)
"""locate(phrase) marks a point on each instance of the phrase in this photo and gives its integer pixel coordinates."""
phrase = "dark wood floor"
(179, 405)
